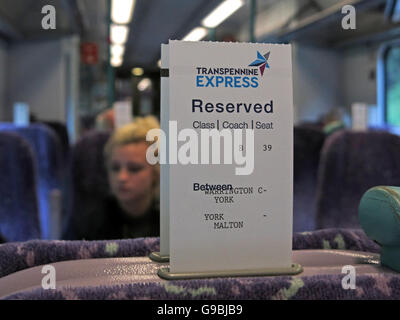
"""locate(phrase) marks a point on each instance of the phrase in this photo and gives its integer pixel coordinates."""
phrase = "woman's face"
(131, 176)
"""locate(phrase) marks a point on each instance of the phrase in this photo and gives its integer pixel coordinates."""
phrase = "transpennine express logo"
(261, 62)
(232, 77)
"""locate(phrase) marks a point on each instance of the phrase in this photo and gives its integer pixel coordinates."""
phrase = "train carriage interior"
(81, 84)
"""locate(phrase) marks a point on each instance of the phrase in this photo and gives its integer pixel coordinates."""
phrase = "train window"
(392, 86)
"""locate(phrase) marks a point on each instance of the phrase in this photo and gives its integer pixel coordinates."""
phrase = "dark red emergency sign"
(89, 53)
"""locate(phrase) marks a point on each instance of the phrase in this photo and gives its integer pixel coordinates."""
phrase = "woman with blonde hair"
(130, 208)
(133, 209)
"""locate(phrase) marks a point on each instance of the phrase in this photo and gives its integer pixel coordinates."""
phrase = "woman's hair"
(133, 133)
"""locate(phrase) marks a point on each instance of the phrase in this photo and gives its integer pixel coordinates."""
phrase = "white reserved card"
(164, 168)
(231, 137)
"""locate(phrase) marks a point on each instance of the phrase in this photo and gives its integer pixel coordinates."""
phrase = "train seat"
(19, 217)
(351, 163)
(48, 157)
(61, 130)
(23, 255)
(308, 143)
(50, 251)
(136, 278)
(95, 270)
(88, 185)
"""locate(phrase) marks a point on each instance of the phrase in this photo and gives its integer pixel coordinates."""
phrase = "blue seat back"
(48, 158)
(61, 131)
(19, 217)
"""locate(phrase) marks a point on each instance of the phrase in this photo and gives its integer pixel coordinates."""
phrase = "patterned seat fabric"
(22, 255)
(321, 287)
(34, 253)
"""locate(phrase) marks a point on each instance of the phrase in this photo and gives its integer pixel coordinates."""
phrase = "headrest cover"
(379, 214)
